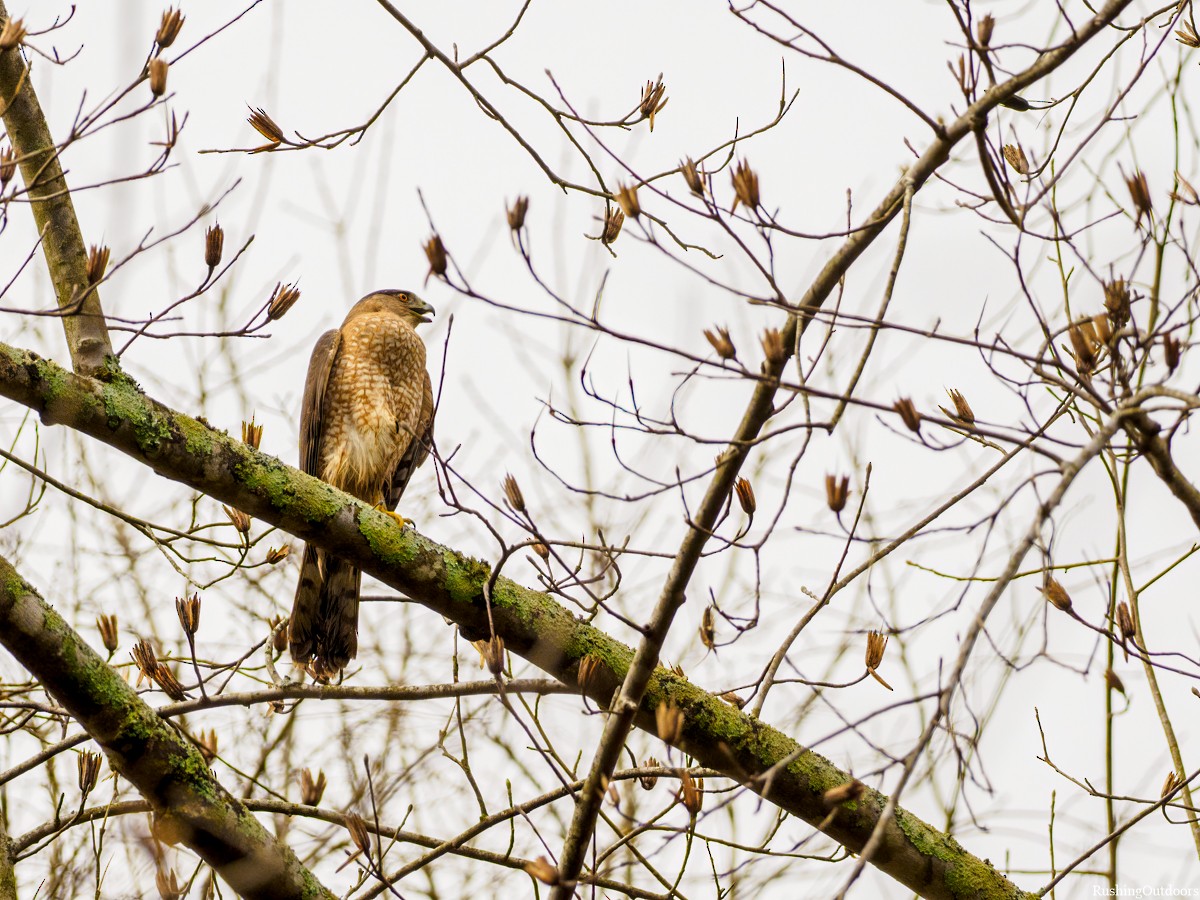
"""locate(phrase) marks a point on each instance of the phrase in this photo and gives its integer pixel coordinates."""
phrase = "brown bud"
(628, 199)
(206, 742)
(983, 30)
(188, 610)
(908, 414)
(97, 263)
(279, 633)
(1139, 193)
(168, 885)
(358, 832)
(435, 252)
(876, 644)
(844, 793)
(283, 298)
(708, 628)
(277, 555)
(1056, 593)
(516, 213)
(265, 125)
(239, 519)
(649, 781)
(653, 101)
(719, 338)
(1015, 157)
(1084, 349)
(963, 414)
(158, 76)
(837, 491)
(691, 792)
(168, 30)
(1125, 622)
(541, 550)
(669, 719)
(12, 34)
(613, 220)
(512, 492)
(214, 243)
(586, 678)
(745, 495)
(1169, 784)
(1116, 302)
(311, 789)
(773, 349)
(251, 433)
(170, 685)
(88, 769)
(8, 166)
(108, 632)
(692, 176)
(1171, 350)
(745, 187)
(542, 870)
(145, 658)
(1103, 329)
(1113, 680)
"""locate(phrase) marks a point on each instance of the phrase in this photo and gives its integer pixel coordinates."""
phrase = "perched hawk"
(366, 423)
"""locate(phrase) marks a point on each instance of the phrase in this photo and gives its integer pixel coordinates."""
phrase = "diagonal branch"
(531, 623)
(759, 410)
(53, 213)
(190, 805)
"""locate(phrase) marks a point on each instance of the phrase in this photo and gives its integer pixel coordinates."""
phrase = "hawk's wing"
(418, 449)
(319, 366)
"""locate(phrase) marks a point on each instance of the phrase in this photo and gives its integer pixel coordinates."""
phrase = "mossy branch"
(531, 622)
(53, 213)
(189, 803)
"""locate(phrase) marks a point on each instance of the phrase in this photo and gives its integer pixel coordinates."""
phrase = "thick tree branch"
(532, 624)
(167, 769)
(53, 213)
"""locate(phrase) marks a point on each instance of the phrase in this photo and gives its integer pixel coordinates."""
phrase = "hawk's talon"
(400, 520)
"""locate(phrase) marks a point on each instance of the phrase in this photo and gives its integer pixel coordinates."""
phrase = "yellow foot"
(400, 520)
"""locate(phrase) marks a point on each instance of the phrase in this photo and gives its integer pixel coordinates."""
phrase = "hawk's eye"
(403, 297)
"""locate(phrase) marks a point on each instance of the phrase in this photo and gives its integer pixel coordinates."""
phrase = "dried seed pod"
(214, 243)
(168, 885)
(745, 186)
(837, 492)
(613, 220)
(586, 676)
(358, 832)
(1186, 35)
(1056, 594)
(1171, 350)
(107, 626)
(87, 765)
(1113, 680)
(542, 870)
(516, 213)
(188, 610)
(512, 493)
(1083, 348)
(283, 298)
(1102, 329)
(206, 742)
(669, 719)
(145, 658)
(773, 349)
(983, 30)
(1184, 191)
(745, 494)
(691, 792)
(1139, 193)
(844, 793)
(708, 628)
(876, 644)
(435, 252)
(719, 338)
(653, 99)
(908, 414)
(277, 555)
(1015, 157)
(541, 550)
(1169, 784)
(1125, 622)
(311, 789)
(1116, 302)
(158, 68)
(692, 176)
(168, 29)
(170, 685)
(8, 166)
(12, 34)
(239, 520)
(493, 655)
(963, 414)
(265, 125)
(627, 198)
(97, 262)
(733, 699)
(251, 433)
(649, 781)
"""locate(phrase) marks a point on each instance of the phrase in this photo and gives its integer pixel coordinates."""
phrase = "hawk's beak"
(424, 312)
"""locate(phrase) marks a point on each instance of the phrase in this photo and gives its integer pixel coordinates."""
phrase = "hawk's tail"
(323, 632)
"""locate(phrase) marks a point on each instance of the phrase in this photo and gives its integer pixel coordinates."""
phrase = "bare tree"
(708, 430)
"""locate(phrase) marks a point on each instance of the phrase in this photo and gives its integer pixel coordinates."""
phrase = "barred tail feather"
(323, 632)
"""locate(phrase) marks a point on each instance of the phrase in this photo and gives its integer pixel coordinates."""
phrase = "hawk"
(365, 424)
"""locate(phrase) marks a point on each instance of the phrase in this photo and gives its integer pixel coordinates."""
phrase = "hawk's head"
(404, 303)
